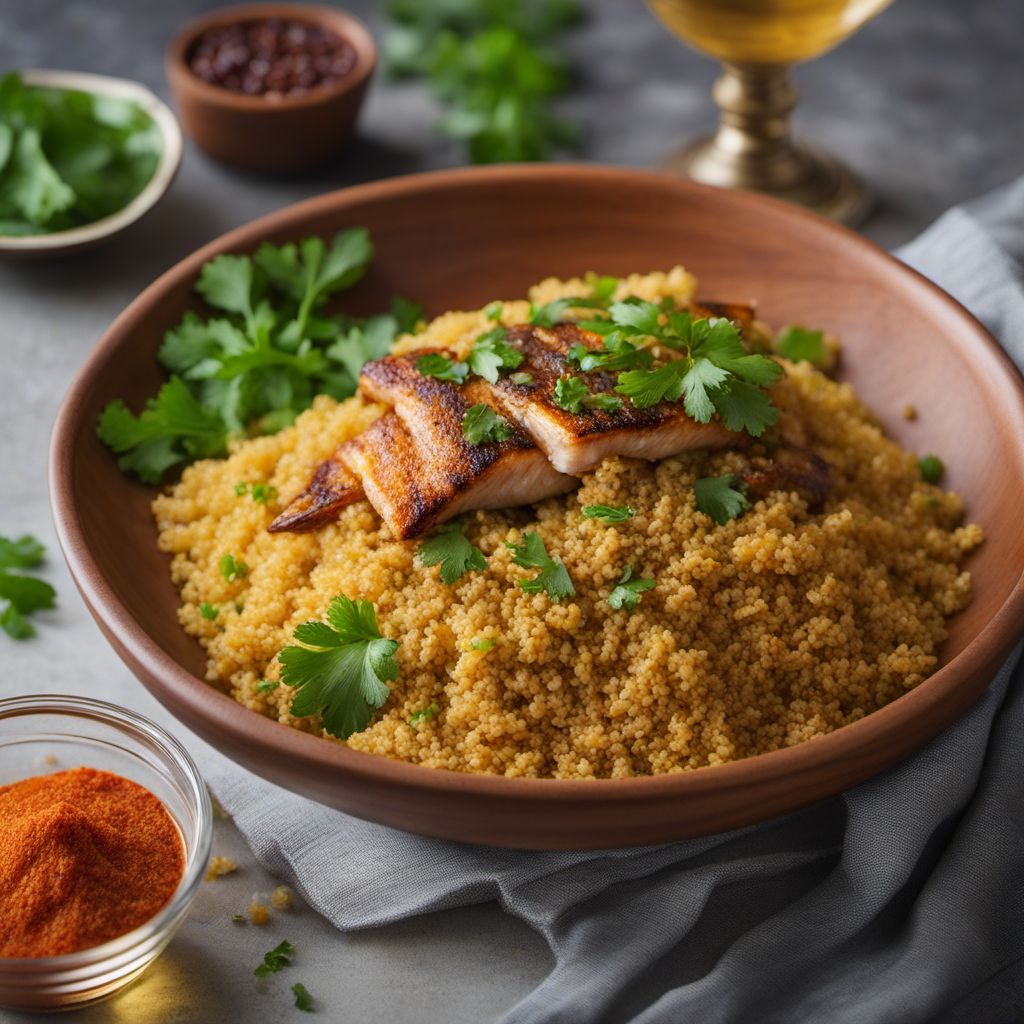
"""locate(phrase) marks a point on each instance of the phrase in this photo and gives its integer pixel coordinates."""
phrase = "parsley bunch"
(341, 667)
(261, 360)
(68, 157)
(494, 66)
(21, 594)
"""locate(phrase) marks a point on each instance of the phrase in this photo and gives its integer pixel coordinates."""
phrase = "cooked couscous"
(774, 628)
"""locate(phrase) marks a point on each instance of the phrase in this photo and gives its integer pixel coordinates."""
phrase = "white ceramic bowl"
(86, 235)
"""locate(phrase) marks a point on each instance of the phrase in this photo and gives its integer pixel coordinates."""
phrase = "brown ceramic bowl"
(458, 239)
(281, 136)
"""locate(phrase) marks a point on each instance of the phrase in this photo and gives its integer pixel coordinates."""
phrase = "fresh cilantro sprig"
(627, 591)
(303, 1000)
(20, 593)
(341, 667)
(436, 365)
(491, 354)
(714, 372)
(931, 468)
(798, 344)
(481, 425)
(277, 959)
(553, 577)
(449, 548)
(720, 497)
(609, 513)
(573, 395)
(263, 356)
(495, 68)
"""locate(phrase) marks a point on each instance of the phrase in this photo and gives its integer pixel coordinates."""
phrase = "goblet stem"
(754, 148)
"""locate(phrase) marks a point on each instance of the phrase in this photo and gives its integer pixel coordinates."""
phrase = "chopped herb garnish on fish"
(931, 468)
(417, 718)
(208, 611)
(719, 497)
(553, 577)
(569, 393)
(618, 354)
(303, 1000)
(279, 957)
(436, 365)
(714, 372)
(798, 344)
(341, 667)
(609, 513)
(449, 548)
(492, 353)
(627, 591)
(21, 594)
(551, 313)
(481, 424)
(521, 379)
(232, 568)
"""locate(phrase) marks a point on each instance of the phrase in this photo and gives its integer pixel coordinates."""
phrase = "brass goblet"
(757, 42)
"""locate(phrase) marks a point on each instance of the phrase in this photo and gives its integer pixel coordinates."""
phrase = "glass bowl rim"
(131, 722)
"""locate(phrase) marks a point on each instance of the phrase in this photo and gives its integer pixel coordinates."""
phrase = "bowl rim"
(180, 689)
(343, 22)
(154, 189)
(122, 720)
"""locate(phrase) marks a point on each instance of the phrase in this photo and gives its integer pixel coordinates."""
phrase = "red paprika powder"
(85, 856)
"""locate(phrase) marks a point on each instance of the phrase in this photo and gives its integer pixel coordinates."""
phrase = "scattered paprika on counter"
(85, 856)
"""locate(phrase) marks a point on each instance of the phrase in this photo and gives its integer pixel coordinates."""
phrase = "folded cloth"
(901, 900)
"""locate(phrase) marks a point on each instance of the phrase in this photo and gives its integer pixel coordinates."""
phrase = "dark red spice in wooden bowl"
(272, 58)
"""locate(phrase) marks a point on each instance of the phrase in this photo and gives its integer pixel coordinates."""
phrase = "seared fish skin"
(417, 469)
(414, 463)
(576, 442)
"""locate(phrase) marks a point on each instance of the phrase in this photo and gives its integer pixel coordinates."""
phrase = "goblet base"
(803, 175)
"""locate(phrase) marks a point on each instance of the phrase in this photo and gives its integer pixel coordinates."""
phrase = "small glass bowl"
(46, 733)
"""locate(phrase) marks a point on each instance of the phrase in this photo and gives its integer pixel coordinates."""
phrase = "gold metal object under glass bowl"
(757, 42)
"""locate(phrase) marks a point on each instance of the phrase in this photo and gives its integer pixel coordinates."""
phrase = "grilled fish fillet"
(576, 442)
(417, 470)
(414, 463)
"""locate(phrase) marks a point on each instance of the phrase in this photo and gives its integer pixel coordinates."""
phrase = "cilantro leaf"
(449, 548)
(719, 498)
(627, 591)
(522, 379)
(617, 354)
(648, 387)
(172, 428)
(492, 353)
(931, 468)
(702, 376)
(417, 718)
(20, 594)
(551, 313)
(303, 1000)
(362, 343)
(609, 513)
(24, 552)
(745, 407)
(226, 282)
(407, 315)
(636, 317)
(208, 611)
(798, 344)
(436, 365)
(553, 577)
(569, 393)
(280, 956)
(232, 568)
(481, 424)
(340, 667)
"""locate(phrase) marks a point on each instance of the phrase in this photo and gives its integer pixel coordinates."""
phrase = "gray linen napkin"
(901, 900)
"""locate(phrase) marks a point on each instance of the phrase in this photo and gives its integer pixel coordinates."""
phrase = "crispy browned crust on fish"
(332, 488)
(575, 442)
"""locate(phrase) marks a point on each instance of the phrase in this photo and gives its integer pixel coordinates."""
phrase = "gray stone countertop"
(924, 103)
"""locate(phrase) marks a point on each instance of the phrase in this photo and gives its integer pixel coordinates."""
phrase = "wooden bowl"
(283, 136)
(85, 236)
(457, 239)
